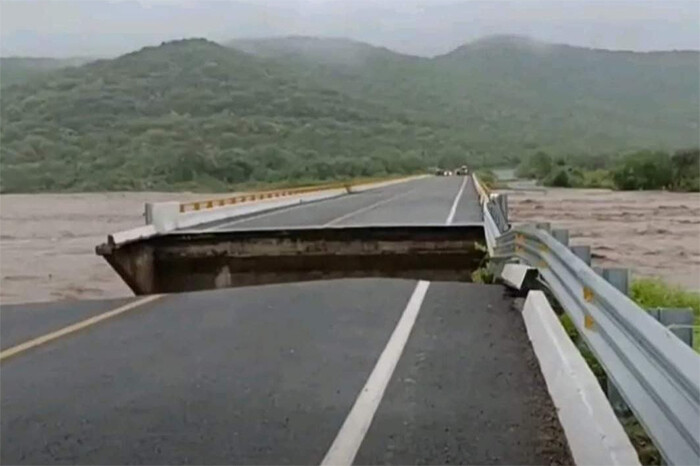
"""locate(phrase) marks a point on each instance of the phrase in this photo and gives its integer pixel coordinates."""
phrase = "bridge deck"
(269, 374)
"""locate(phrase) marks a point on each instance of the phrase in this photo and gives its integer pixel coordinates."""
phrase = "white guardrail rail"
(657, 374)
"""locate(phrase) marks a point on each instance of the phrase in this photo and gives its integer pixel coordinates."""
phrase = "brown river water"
(653, 233)
(47, 241)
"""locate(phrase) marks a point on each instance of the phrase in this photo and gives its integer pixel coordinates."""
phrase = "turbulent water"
(654, 233)
(47, 243)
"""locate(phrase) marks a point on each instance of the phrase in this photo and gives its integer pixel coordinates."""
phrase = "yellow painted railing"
(256, 196)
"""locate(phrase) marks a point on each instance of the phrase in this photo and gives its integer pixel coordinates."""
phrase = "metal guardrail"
(656, 373)
(495, 222)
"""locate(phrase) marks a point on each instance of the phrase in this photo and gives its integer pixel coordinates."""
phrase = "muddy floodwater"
(47, 241)
(653, 233)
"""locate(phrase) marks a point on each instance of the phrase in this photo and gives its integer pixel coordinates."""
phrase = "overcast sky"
(426, 27)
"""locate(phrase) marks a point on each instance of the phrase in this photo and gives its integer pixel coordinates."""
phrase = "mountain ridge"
(192, 113)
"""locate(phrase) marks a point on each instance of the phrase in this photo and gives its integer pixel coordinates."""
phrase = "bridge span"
(346, 371)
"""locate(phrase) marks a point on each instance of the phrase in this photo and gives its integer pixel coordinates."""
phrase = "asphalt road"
(425, 201)
(285, 374)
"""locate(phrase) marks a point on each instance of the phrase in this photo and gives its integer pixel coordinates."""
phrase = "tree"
(686, 169)
(644, 170)
(538, 166)
(558, 178)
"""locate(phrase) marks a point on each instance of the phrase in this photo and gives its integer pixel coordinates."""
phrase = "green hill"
(194, 114)
(574, 99)
(513, 94)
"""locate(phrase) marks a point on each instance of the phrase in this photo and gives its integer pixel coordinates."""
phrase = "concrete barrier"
(594, 433)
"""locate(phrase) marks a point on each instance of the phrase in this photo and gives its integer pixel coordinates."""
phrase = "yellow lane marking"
(33, 343)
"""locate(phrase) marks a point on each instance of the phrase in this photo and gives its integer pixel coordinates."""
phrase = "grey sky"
(425, 27)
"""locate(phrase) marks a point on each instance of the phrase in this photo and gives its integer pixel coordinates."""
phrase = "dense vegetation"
(653, 293)
(678, 171)
(193, 114)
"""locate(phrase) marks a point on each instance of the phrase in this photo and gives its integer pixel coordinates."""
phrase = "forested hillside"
(511, 94)
(194, 114)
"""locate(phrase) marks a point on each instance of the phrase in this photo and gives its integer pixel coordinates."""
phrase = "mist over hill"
(18, 70)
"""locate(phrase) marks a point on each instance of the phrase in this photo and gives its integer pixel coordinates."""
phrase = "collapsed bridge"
(342, 327)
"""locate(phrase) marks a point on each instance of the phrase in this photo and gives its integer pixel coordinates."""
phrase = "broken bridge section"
(190, 261)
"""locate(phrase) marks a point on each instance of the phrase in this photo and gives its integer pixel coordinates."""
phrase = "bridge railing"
(656, 373)
(257, 196)
(494, 214)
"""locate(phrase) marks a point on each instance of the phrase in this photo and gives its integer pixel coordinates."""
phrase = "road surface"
(348, 371)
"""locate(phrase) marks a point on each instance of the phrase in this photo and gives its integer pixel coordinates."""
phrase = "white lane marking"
(349, 439)
(366, 208)
(453, 210)
(27, 345)
(352, 433)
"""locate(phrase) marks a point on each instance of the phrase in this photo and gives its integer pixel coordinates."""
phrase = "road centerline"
(352, 433)
(72, 328)
(366, 208)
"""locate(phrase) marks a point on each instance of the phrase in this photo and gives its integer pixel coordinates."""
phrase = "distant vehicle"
(463, 170)
(443, 172)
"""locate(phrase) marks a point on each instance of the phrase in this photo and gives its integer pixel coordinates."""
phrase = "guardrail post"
(561, 235)
(620, 279)
(546, 226)
(148, 213)
(503, 204)
(677, 320)
(495, 205)
(583, 253)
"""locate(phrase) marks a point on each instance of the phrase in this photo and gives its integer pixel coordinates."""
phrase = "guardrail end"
(519, 277)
